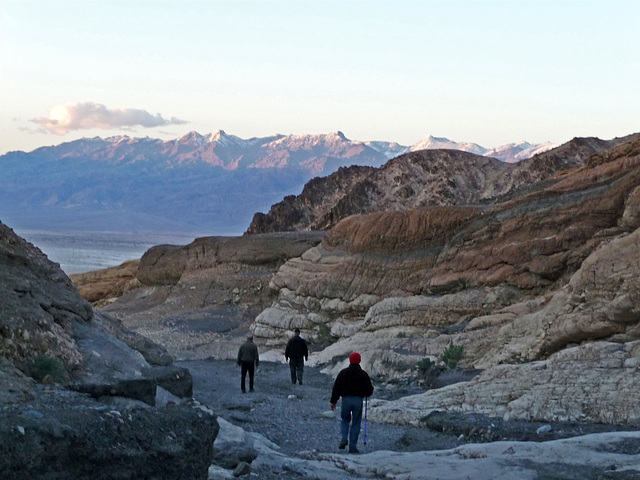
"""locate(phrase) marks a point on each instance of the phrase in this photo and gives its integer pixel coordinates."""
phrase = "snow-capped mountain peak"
(510, 153)
(432, 143)
(222, 138)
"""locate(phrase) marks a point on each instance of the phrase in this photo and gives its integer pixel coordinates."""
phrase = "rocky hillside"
(83, 397)
(539, 289)
(420, 179)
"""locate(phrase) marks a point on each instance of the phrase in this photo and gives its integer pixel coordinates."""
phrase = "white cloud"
(81, 116)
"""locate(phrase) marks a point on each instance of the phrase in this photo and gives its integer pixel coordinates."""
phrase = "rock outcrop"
(102, 287)
(593, 383)
(195, 298)
(39, 304)
(64, 435)
(79, 394)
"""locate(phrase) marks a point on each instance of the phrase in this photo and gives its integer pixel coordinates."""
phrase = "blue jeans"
(351, 412)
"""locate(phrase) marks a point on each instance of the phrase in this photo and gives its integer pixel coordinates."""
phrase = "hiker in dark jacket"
(296, 353)
(352, 384)
(248, 360)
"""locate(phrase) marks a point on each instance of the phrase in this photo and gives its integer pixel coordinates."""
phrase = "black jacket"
(352, 381)
(296, 348)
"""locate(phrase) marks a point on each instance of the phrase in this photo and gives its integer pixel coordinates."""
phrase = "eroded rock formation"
(194, 299)
(512, 282)
(50, 335)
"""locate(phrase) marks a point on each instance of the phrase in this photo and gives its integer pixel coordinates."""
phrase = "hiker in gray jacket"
(248, 360)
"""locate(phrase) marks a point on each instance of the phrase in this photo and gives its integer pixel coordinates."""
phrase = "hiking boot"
(251, 390)
(354, 450)
(300, 382)
(343, 444)
(244, 391)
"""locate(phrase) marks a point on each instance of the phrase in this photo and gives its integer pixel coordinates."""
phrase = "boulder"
(62, 435)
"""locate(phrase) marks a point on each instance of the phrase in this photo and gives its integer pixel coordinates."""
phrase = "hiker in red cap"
(352, 384)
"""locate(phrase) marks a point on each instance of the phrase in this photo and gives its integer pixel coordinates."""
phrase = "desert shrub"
(451, 355)
(324, 335)
(424, 366)
(43, 367)
(428, 372)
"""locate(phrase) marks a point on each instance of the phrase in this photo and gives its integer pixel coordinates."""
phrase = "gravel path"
(304, 422)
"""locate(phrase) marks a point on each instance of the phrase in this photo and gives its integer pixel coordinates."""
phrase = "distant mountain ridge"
(418, 179)
(211, 183)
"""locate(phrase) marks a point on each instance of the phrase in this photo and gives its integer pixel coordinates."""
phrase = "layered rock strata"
(511, 282)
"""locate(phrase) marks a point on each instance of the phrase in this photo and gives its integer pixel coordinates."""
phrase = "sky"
(488, 72)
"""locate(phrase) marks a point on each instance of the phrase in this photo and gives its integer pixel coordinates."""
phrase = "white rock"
(543, 429)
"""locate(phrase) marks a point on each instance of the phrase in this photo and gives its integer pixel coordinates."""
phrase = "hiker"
(352, 384)
(296, 353)
(248, 360)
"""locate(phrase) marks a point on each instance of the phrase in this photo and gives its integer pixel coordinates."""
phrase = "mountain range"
(196, 183)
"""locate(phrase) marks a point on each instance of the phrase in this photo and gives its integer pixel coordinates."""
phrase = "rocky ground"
(298, 419)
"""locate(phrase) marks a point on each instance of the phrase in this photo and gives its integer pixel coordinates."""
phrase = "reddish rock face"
(529, 242)
(500, 277)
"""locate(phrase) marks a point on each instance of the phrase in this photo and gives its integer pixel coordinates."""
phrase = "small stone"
(543, 429)
(20, 429)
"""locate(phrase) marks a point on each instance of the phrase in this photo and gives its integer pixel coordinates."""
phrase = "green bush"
(451, 355)
(428, 372)
(424, 366)
(42, 366)
(324, 337)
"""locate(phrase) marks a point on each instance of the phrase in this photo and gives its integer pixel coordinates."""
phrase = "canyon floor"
(297, 418)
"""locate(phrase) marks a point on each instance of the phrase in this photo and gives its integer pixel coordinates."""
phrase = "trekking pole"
(365, 421)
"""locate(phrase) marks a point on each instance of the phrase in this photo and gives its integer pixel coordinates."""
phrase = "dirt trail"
(304, 422)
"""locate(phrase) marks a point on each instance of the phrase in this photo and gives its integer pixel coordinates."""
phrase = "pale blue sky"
(489, 72)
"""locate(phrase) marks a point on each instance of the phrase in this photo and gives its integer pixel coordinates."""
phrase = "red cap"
(354, 358)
